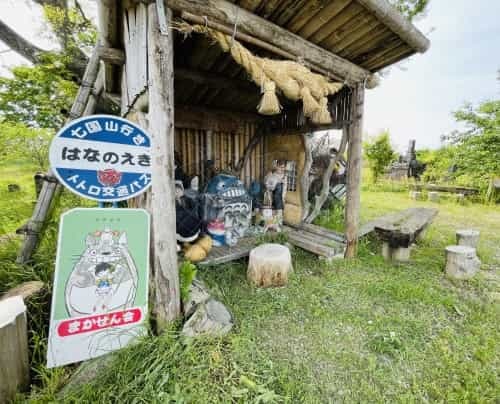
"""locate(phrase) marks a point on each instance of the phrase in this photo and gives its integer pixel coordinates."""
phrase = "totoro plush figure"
(105, 277)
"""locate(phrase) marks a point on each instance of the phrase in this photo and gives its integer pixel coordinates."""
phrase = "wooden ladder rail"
(84, 104)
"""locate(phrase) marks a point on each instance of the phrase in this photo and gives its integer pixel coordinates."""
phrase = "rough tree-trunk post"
(161, 127)
(305, 183)
(354, 162)
(327, 175)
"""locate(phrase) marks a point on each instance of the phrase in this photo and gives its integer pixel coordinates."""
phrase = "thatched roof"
(360, 36)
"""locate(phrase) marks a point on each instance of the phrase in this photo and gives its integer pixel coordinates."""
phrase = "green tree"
(21, 143)
(439, 163)
(37, 96)
(477, 157)
(379, 153)
(410, 8)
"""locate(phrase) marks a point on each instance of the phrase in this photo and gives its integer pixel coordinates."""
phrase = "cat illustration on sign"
(105, 277)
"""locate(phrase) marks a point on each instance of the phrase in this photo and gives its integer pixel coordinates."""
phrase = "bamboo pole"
(161, 118)
(354, 163)
(34, 226)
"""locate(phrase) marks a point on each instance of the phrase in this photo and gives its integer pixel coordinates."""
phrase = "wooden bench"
(316, 239)
(399, 230)
(444, 188)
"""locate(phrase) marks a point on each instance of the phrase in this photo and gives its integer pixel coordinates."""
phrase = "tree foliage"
(469, 157)
(379, 153)
(75, 31)
(439, 163)
(477, 148)
(35, 100)
(21, 143)
(410, 8)
(37, 96)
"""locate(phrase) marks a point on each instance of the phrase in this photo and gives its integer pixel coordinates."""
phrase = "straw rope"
(294, 80)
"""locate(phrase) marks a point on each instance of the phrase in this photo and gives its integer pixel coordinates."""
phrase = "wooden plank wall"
(227, 149)
(135, 39)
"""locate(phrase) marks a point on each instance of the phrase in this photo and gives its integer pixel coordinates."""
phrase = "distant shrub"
(379, 153)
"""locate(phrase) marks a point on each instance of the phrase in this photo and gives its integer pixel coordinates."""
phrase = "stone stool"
(461, 262)
(433, 196)
(269, 265)
(468, 237)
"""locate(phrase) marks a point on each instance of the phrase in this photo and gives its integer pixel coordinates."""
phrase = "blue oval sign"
(102, 157)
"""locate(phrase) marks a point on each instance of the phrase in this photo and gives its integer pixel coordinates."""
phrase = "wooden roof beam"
(391, 17)
(193, 117)
(228, 13)
(213, 80)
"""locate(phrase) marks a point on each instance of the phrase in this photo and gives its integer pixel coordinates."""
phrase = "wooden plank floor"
(322, 243)
(221, 255)
(312, 238)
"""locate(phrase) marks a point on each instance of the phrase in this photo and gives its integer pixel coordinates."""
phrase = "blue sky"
(460, 66)
(415, 100)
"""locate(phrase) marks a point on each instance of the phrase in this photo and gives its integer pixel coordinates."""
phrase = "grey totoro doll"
(105, 277)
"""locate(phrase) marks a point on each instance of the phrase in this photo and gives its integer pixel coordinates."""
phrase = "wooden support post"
(208, 149)
(252, 144)
(327, 175)
(305, 182)
(161, 128)
(354, 163)
(107, 18)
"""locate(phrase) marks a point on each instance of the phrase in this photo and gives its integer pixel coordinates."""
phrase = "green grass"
(348, 331)
(15, 210)
(15, 207)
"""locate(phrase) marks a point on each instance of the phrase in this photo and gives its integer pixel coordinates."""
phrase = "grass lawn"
(349, 331)
(16, 207)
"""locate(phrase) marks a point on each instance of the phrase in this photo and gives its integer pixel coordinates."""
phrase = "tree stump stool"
(461, 262)
(398, 254)
(460, 198)
(14, 362)
(468, 237)
(416, 195)
(269, 265)
(433, 196)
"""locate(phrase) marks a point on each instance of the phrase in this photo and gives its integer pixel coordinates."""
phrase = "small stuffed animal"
(198, 251)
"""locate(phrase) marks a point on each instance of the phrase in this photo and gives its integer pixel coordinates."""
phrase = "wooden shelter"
(172, 78)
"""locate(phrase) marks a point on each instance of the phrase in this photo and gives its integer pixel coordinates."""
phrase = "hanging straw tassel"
(322, 115)
(269, 104)
(293, 79)
(309, 104)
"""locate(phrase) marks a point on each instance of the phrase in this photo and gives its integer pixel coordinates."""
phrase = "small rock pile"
(205, 315)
